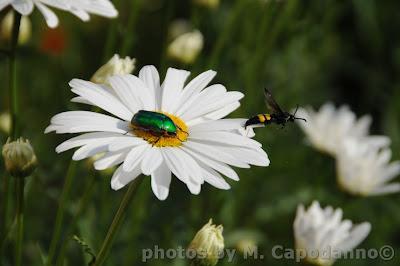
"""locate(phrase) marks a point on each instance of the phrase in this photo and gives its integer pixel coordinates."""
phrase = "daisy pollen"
(160, 129)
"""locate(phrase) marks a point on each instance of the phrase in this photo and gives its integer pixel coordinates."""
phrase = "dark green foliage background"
(308, 52)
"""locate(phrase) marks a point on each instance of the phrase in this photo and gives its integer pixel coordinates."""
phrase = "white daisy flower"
(80, 8)
(322, 236)
(196, 145)
(186, 47)
(365, 169)
(327, 128)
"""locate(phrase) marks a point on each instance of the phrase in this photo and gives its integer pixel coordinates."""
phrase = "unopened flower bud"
(19, 157)
(208, 244)
(186, 47)
(25, 28)
(115, 66)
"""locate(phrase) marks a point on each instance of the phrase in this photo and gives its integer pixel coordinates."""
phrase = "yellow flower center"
(165, 140)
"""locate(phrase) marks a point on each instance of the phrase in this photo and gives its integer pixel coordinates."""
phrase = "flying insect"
(277, 116)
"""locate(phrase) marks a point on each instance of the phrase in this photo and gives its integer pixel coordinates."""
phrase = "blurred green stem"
(82, 206)
(117, 221)
(226, 32)
(13, 76)
(20, 220)
(111, 36)
(169, 13)
(133, 17)
(60, 212)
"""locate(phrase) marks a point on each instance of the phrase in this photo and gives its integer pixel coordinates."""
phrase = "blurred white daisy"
(365, 169)
(203, 147)
(322, 235)
(186, 47)
(327, 128)
(80, 8)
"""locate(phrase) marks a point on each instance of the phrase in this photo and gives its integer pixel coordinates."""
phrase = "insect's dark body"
(277, 116)
(267, 119)
(157, 124)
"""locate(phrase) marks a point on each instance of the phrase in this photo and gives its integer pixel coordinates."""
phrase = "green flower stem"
(4, 209)
(117, 221)
(129, 37)
(20, 220)
(13, 76)
(60, 212)
(111, 35)
(226, 32)
(82, 206)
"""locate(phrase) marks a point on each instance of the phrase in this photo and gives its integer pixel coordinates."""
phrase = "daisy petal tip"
(116, 185)
(161, 197)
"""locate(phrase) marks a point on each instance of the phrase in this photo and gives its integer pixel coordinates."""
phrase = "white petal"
(214, 105)
(220, 167)
(221, 113)
(49, 16)
(387, 189)
(251, 156)
(110, 159)
(192, 90)
(160, 181)
(173, 165)
(25, 7)
(149, 75)
(219, 125)
(151, 160)
(208, 95)
(122, 178)
(224, 138)
(215, 154)
(214, 179)
(134, 157)
(141, 92)
(99, 7)
(172, 88)
(357, 235)
(123, 142)
(79, 99)
(84, 121)
(84, 139)
(82, 14)
(4, 3)
(101, 97)
(126, 93)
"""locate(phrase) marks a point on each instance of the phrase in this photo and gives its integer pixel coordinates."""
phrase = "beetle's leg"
(182, 130)
(156, 141)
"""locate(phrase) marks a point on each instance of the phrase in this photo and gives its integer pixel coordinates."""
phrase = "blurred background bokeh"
(307, 52)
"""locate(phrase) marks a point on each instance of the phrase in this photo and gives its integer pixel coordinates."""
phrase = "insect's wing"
(270, 102)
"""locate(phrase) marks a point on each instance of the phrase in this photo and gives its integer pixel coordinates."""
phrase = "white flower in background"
(5, 122)
(327, 128)
(25, 28)
(212, 4)
(115, 66)
(365, 169)
(322, 235)
(80, 8)
(186, 47)
(203, 147)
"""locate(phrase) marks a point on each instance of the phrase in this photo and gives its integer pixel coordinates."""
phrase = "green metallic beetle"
(155, 123)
